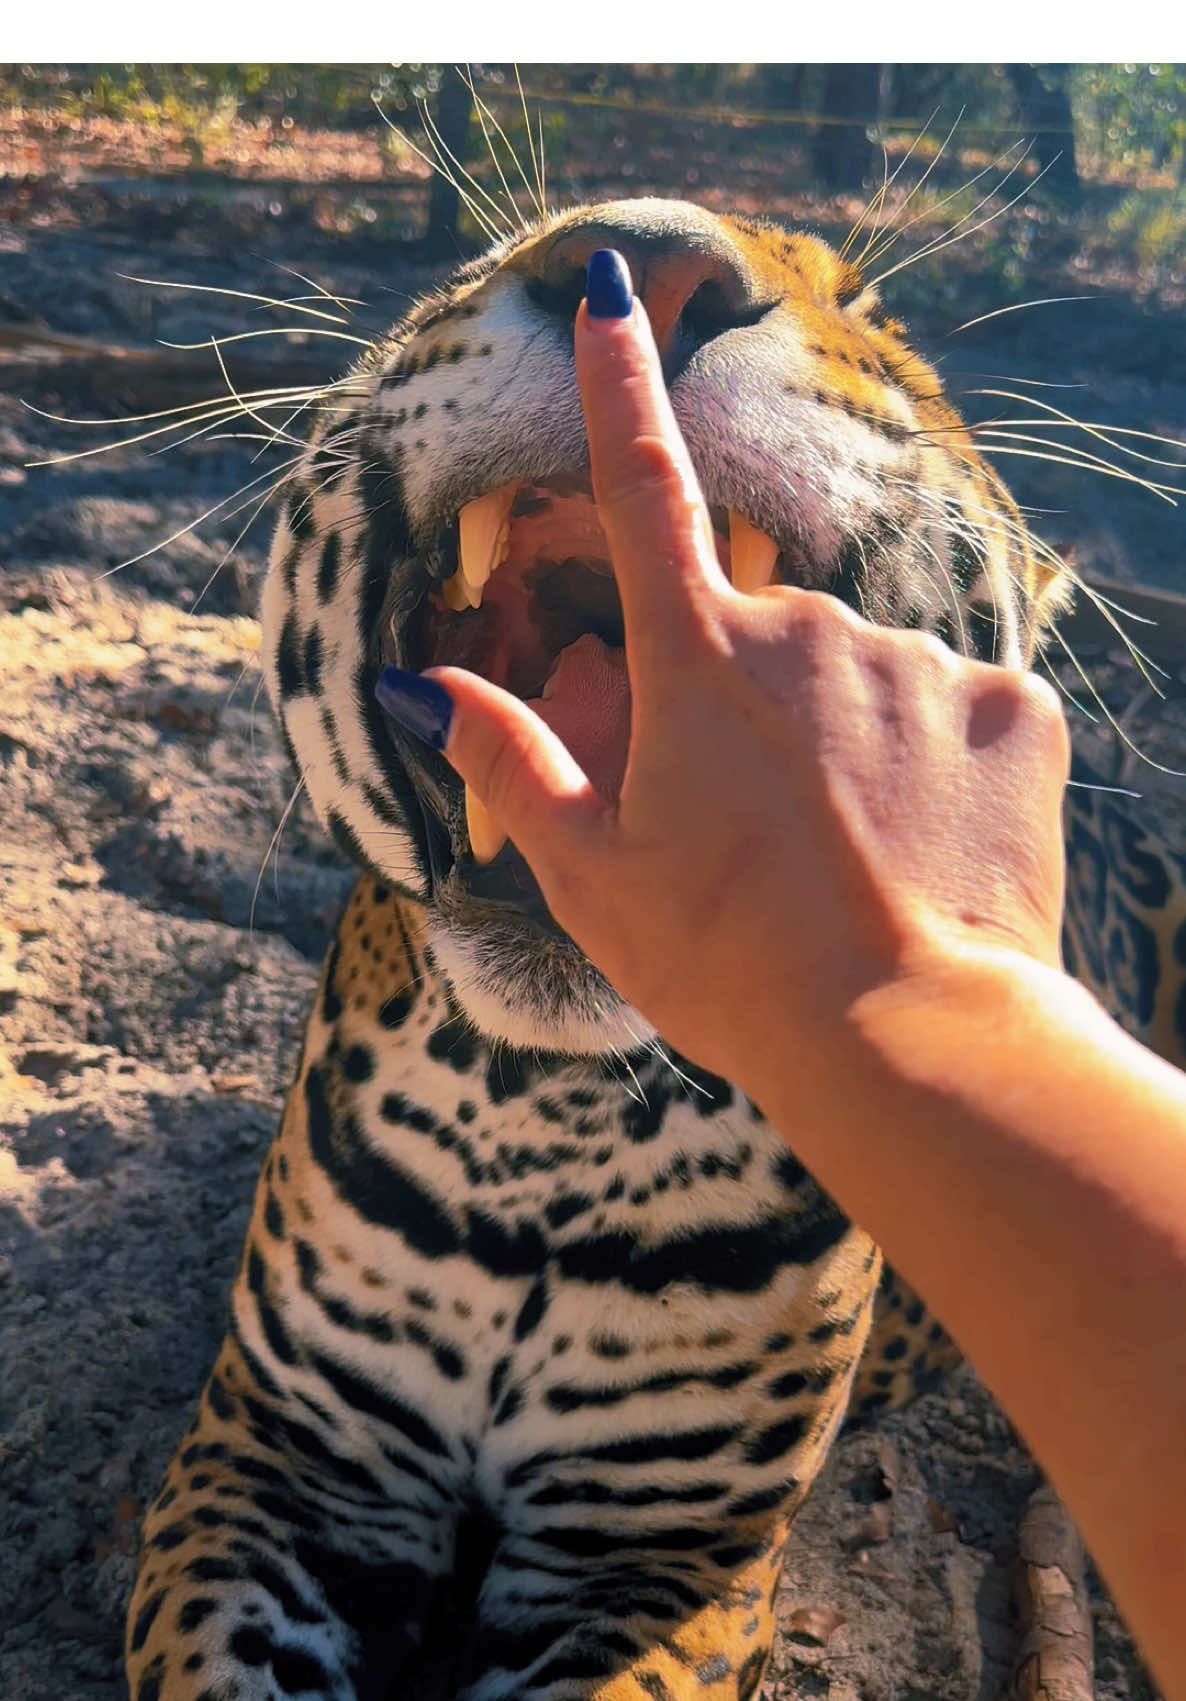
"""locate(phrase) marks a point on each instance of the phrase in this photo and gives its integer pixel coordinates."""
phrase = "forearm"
(1024, 1163)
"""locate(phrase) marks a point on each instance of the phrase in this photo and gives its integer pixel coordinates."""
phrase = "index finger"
(648, 497)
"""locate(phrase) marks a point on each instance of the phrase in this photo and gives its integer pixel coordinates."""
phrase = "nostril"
(706, 312)
(560, 294)
(685, 310)
(711, 310)
(693, 283)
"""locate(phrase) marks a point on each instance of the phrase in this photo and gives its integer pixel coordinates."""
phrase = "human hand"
(813, 808)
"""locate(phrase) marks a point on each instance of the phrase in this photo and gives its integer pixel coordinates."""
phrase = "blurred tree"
(1044, 107)
(784, 87)
(845, 155)
(451, 115)
(981, 92)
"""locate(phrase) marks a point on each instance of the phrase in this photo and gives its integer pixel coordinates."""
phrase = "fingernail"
(608, 291)
(420, 706)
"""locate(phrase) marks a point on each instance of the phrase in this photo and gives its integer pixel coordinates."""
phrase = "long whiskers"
(537, 160)
(490, 222)
(1109, 610)
(268, 331)
(217, 508)
(239, 294)
(483, 111)
(230, 549)
(282, 393)
(957, 234)
(1006, 442)
(342, 302)
(894, 234)
(1105, 433)
(1117, 727)
(871, 240)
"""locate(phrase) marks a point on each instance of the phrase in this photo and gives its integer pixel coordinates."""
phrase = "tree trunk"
(1044, 106)
(781, 86)
(1054, 1659)
(451, 117)
(844, 157)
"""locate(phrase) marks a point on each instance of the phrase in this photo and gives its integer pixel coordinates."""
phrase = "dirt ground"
(159, 942)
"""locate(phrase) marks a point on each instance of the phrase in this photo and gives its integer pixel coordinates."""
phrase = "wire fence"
(805, 118)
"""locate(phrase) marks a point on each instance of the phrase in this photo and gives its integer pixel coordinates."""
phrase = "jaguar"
(532, 1308)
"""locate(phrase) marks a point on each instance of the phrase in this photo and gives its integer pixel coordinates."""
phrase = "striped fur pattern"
(514, 1267)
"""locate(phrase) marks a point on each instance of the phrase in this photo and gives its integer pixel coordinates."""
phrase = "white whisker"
(273, 845)
(1020, 306)
(240, 294)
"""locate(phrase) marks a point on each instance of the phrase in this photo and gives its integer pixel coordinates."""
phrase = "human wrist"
(946, 1024)
(966, 1027)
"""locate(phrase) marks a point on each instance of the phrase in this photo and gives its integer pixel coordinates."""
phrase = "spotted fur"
(514, 1267)
(1124, 932)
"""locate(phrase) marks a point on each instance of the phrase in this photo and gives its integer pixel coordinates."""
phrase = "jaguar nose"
(692, 283)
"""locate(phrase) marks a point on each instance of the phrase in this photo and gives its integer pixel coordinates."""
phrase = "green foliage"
(1133, 116)
(1152, 223)
(328, 95)
(1129, 119)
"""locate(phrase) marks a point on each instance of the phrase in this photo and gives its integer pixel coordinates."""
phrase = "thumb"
(520, 779)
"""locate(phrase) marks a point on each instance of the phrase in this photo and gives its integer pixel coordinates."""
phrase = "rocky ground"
(162, 915)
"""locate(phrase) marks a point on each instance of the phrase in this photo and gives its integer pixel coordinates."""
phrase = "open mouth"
(533, 606)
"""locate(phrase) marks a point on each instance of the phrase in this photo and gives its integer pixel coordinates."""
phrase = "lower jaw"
(491, 897)
(533, 989)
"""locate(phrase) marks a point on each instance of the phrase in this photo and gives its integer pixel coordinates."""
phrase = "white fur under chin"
(613, 1026)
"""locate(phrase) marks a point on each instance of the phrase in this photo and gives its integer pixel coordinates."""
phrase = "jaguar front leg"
(271, 1566)
(224, 1604)
(641, 1560)
(682, 1625)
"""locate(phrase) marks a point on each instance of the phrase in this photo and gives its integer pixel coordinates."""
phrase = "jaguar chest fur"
(510, 1256)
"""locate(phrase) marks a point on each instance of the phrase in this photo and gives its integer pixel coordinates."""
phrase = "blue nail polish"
(419, 705)
(608, 291)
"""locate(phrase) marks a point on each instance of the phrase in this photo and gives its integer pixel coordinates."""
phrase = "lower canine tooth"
(752, 555)
(486, 837)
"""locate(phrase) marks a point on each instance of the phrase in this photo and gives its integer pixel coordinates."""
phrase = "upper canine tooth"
(457, 595)
(752, 555)
(484, 527)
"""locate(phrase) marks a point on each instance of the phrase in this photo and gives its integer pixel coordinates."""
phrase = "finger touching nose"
(648, 496)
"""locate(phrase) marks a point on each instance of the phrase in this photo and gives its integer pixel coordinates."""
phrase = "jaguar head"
(443, 513)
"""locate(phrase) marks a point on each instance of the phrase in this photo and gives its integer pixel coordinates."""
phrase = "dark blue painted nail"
(419, 705)
(608, 290)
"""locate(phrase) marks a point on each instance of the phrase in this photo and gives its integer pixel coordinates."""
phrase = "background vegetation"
(1110, 123)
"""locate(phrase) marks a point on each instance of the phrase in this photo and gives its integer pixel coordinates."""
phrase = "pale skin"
(834, 874)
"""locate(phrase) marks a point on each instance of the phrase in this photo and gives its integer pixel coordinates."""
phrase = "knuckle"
(933, 653)
(1041, 699)
(914, 656)
(819, 622)
(1042, 704)
(649, 472)
(1035, 699)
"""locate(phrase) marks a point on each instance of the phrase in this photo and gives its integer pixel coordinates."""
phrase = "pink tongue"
(588, 707)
